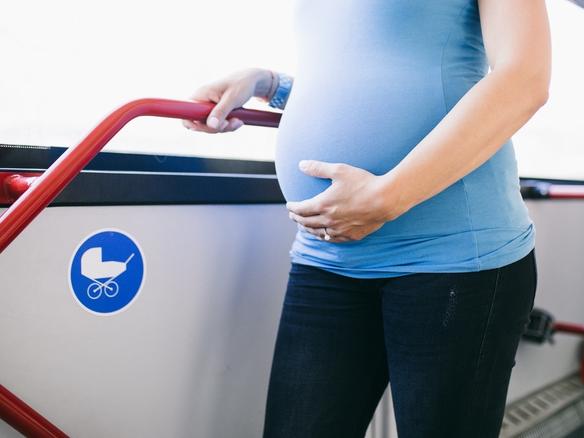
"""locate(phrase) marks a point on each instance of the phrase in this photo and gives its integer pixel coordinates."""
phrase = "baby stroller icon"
(94, 268)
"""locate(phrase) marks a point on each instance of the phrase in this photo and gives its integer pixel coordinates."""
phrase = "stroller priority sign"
(106, 272)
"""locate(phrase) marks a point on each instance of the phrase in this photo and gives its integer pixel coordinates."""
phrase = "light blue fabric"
(374, 77)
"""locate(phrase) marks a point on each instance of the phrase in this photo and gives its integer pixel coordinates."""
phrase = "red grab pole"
(44, 189)
(546, 190)
(12, 185)
(25, 419)
(560, 191)
(568, 327)
(33, 192)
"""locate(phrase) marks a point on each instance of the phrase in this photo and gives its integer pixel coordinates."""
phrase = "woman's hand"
(229, 93)
(355, 205)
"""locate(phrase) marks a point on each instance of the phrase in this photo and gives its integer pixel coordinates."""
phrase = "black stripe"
(151, 188)
(40, 157)
(173, 187)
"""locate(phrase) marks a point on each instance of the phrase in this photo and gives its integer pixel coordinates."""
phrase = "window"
(66, 64)
(551, 144)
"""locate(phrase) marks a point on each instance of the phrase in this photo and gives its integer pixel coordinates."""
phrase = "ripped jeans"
(446, 341)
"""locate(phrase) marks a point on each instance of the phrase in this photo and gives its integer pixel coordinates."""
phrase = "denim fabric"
(446, 341)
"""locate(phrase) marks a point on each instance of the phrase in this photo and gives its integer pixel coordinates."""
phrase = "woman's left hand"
(356, 204)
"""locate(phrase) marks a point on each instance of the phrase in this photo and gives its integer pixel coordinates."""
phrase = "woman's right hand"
(229, 93)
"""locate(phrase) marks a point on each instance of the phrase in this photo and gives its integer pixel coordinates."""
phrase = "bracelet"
(282, 92)
(273, 86)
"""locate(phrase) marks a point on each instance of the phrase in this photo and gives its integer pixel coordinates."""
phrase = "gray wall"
(191, 356)
(560, 261)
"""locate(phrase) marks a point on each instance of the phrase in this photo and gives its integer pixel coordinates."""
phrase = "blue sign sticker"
(106, 272)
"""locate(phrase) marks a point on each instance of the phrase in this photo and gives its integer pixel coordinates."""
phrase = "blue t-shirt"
(374, 78)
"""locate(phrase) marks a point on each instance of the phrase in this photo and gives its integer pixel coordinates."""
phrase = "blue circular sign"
(106, 272)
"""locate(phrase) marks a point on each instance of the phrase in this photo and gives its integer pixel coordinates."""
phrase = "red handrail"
(44, 189)
(12, 185)
(25, 419)
(33, 193)
(564, 191)
(546, 190)
(568, 327)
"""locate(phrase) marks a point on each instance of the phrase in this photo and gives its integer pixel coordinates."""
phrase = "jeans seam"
(489, 316)
(480, 355)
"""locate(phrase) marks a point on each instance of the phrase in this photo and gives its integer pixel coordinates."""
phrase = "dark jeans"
(447, 342)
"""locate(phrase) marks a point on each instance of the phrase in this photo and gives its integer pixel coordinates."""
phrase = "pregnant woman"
(413, 262)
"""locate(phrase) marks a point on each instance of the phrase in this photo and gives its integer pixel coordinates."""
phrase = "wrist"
(266, 83)
(393, 196)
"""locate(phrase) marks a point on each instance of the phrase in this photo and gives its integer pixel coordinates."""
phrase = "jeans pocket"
(535, 273)
(534, 276)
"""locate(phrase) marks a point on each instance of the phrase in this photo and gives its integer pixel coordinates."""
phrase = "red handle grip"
(569, 327)
(546, 190)
(561, 191)
(12, 185)
(48, 186)
(25, 419)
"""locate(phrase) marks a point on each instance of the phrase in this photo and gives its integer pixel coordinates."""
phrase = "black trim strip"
(100, 189)
(537, 188)
(40, 157)
(145, 179)
(152, 189)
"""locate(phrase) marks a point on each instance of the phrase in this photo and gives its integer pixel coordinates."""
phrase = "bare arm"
(517, 41)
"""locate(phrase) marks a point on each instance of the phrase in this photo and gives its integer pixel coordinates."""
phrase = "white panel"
(560, 260)
(191, 356)
(383, 421)
(7, 432)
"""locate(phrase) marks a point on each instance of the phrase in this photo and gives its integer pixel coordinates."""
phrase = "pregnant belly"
(371, 123)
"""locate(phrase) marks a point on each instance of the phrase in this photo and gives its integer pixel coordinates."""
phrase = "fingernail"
(303, 164)
(213, 122)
